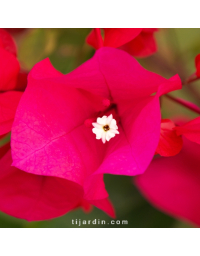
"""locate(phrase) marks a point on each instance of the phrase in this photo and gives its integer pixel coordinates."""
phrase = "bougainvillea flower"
(8, 105)
(138, 42)
(173, 184)
(170, 142)
(190, 130)
(39, 197)
(9, 65)
(52, 131)
(105, 128)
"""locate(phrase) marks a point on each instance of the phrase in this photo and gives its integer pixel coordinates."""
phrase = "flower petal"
(110, 120)
(127, 80)
(170, 144)
(141, 46)
(95, 39)
(191, 130)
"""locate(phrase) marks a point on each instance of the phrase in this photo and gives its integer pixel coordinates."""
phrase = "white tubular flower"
(105, 128)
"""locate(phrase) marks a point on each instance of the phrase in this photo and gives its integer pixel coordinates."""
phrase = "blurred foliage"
(67, 49)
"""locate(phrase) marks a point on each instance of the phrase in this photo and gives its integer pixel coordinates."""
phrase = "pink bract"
(170, 143)
(138, 42)
(39, 197)
(173, 184)
(191, 130)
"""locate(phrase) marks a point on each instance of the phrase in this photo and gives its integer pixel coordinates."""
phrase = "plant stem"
(184, 103)
(190, 80)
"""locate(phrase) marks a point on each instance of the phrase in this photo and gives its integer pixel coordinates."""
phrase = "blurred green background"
(67, 49)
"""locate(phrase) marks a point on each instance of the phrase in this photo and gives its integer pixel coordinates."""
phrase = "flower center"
(106, 128)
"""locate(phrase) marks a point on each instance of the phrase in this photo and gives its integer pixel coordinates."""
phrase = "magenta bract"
(138, 42)
(39, 197)
(173, 184)
(52, 135)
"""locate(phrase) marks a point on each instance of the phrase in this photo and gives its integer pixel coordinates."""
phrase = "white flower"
(105, 128)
